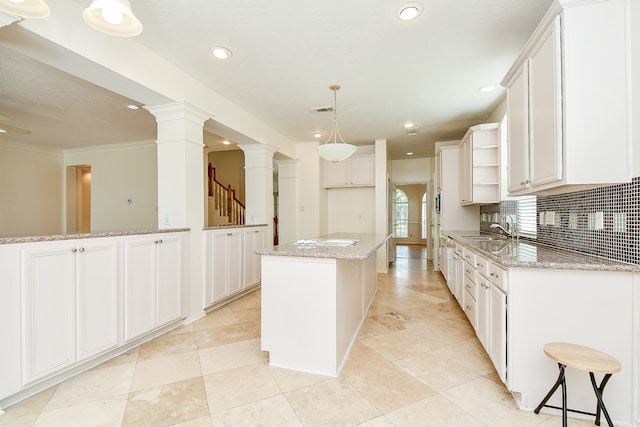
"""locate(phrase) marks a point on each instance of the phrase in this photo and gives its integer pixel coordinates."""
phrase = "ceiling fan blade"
(14, 129)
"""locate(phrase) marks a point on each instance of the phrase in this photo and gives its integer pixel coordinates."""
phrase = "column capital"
(258, 148)
(179, 110)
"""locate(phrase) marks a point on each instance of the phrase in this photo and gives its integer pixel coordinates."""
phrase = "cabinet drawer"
(498, 277)
(482, 266)
(470, 308)
(470, 257)
(470, 286)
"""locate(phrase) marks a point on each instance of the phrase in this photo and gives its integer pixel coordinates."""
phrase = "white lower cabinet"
(152, 283)
(483, 312)
(69, 304)
(224, 263)
(254, 239)
(498, 330)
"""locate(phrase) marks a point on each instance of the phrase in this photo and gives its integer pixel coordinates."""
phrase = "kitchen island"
(315, 296)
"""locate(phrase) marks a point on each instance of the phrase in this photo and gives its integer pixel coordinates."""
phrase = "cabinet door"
(362, 170)
(48, 311)
(483, 313)
(545, 133)
(218, 279)
(254, 239)
(97, 297)
(139, 287)
(169, 279)
(498, 332)
(518, 131)
(336, 174)
(234, 261)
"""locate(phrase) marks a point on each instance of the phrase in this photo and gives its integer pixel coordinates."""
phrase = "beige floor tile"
(437, 372)
(273, 411)
(400, 344)
(166, 345)
(166, 370)
(219, 317)
(491, 403)
(388, 387)
(434, 411)
(371, 328)
(362, 357)
(30, 406)
(197, 422)
(239, 386)
(393, 320)
(183, 329)
(167, 405)
(107, 413)
(247, 314)
(224, 357)
(555, 421)
(288, 379)
(468, 353)
(331, 403)
(95, 384)
(257, 344)
(130, 357)
(252, 329)
(380, 421)
(220, 336)
(18, 421)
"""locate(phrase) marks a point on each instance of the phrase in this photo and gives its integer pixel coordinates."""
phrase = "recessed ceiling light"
(220, 52)
(317, 135)
(132, 106)
(487, 88)
(410, 153)
(226, 142)
(408, 125)
(409, 11)
(3, 131)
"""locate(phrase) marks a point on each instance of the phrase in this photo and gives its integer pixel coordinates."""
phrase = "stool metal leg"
(560, 381)
(598, 391)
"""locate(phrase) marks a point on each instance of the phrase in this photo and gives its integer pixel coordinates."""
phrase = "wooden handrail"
(225, 200)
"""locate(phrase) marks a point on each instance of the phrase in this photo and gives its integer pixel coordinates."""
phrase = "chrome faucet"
(509, 230)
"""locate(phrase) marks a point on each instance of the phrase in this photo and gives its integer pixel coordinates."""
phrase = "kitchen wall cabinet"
(224, 263)
(254, 239)
(152, 283)
(69, 304)
(480, 165)
(356, 171)
(565, 131)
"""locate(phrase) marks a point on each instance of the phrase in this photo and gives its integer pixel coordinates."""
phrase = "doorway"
(79, 199)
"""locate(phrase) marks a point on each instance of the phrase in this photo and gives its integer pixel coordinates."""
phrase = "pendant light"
(335, 151)
(113, 17)
(25, 8)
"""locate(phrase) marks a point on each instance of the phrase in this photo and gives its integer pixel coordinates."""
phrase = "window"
(400, 214)
(424, 216)
(527, 216)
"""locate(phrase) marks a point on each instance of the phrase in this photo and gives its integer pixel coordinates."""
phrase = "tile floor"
(416, 362)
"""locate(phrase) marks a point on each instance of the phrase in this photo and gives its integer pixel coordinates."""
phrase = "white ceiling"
(285, 55)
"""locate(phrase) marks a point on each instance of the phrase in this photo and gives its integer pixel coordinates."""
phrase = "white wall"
(120, 172)
(411, 171)
(31, 190)
(351, 210)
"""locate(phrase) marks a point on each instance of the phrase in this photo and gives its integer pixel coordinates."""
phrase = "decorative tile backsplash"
(603, 221)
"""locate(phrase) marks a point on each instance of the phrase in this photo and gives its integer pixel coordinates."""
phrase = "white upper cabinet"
(480, 165)
(569, 101)
(356, 171)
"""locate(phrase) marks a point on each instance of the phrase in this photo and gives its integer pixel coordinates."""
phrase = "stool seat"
(583, 358)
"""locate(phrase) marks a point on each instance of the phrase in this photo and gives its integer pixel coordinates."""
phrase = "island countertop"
(335, 245)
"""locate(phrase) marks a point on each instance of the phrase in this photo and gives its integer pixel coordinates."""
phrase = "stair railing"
(225, 201)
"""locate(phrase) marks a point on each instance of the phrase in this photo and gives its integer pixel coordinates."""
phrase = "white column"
(258, 177)
(181, 187)
(288, 200)
(381, 202)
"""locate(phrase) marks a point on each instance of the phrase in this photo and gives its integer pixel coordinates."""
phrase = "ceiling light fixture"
(408, 125)
(226, 142)
(132, 107)
(410, 153)
(335, 151)
(25, 8)
(409, 11)
(113, 17)
(317, 135)
(487, 88)
(220, 52)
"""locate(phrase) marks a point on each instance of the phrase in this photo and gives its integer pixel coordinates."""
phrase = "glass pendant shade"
(333, 150)
(113, 17)
(25, 8)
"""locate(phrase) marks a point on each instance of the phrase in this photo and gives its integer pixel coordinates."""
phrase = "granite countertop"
(334, 246)
(112, 233)
(218, 227)
(526, 253)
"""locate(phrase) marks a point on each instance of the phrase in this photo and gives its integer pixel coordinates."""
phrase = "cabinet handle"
(527, 182)
(160, 241)
(229, 234)
(74, 250)
(157, 241)
(81, 249)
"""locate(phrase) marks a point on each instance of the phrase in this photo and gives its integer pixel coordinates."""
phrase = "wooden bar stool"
(585, 359)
